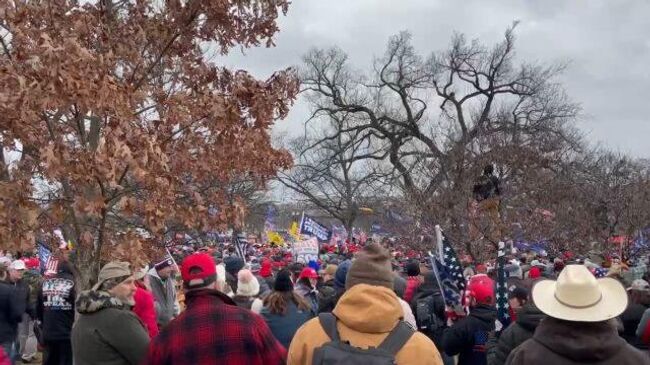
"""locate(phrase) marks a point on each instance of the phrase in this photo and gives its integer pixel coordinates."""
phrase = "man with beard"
(107, 331)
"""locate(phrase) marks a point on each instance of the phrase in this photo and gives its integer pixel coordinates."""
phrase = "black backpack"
(337, 352)
(425, 316)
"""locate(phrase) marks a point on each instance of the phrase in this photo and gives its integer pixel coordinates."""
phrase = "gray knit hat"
(371, 266)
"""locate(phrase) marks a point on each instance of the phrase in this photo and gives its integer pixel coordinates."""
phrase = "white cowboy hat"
(578, 296)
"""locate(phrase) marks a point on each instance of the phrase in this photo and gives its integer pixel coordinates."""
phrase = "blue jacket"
(285, 326)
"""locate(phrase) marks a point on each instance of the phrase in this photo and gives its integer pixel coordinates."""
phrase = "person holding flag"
(468, 337)
(527, 316)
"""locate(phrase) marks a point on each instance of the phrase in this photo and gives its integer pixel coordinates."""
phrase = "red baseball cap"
(308, 272)
(482, 289)
(534, 273)
(198, 270)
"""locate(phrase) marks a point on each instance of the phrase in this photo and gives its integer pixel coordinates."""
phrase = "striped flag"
(241, 245)
(503, 313)
(48, 263)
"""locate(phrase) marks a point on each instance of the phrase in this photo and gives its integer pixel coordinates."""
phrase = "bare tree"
(336, 171)
(439, 120)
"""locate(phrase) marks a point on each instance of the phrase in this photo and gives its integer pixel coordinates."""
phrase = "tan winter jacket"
(366, 315)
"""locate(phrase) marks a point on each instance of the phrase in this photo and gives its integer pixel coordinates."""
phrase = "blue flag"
(310, 227)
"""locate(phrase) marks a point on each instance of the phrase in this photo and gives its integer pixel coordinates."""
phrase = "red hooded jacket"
(266, 269)
(145, 310)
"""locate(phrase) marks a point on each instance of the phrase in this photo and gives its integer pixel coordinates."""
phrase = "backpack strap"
(328, 322)
(397, 338)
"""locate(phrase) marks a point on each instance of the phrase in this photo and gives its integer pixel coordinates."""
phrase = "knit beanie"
(233, 264)
(331, 269)
(283, 282)
(247, 284)
(371, 266)
(412, 268)
(342, 274)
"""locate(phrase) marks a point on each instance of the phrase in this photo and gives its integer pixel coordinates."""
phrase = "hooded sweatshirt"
(468, 337)
(528, 318)
(107, 332)
(561, 342)
(164, 294)
(367, 314)
(55, 306)
(145, 309)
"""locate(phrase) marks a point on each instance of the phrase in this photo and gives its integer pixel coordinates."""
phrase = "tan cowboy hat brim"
(612, 303)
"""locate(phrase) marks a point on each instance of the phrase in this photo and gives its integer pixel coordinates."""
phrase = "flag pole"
(434, 267)
(302, 220)
(439, 241)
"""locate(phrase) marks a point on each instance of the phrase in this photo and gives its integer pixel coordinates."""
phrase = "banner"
(310, 227)
(305, 251)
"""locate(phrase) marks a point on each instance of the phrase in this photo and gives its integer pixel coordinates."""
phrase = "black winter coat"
(468, 337)
(12, 307)
(559, 342)
(399, 285)
(425, 291)
(327, 297)
(630, 319)
(23, 291)
(528, 318)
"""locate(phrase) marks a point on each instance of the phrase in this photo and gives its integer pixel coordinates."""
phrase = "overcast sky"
(606, 41)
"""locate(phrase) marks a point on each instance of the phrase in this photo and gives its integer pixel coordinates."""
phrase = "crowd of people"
(369, 304)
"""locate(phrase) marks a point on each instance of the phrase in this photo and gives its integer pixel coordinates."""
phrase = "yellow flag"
(293, 231)
(275, 238)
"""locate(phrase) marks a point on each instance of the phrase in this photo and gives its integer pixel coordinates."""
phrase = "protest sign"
(305, 251)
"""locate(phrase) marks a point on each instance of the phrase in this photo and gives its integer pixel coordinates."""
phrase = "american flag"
(48, 262)
(503, 314)
(450, 275)
(600, 272)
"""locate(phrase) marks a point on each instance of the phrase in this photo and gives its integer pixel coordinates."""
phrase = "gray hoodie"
(164, 293)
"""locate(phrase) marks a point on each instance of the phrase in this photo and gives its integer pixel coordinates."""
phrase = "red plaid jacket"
(213, 330)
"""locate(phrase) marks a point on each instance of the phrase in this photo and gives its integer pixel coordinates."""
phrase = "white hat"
(18, 265)
(247, 284)
(578, 296)
(536, 263)
(4, 260)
